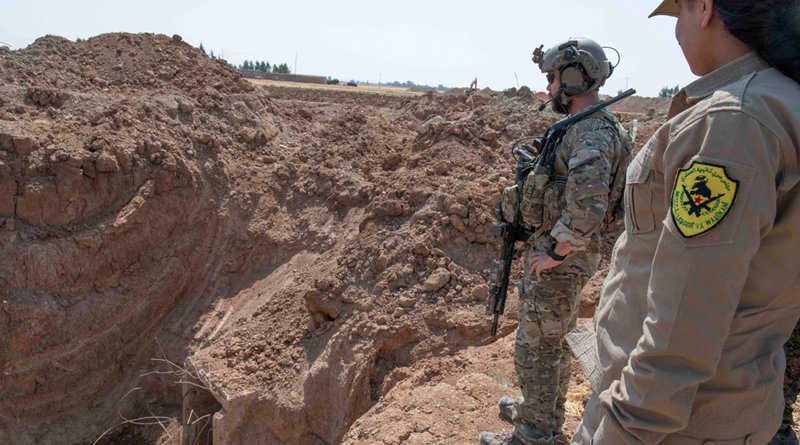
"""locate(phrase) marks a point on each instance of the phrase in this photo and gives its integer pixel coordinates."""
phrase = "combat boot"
(506, 408)
(505, 438)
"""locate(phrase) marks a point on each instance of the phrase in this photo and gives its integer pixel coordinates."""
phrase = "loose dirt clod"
(319, 257)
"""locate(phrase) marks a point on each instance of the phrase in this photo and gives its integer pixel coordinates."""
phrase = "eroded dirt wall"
(308, 251)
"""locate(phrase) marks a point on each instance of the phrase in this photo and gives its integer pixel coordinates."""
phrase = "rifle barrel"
(593, 108)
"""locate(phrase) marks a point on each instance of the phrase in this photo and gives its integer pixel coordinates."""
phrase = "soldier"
(704, 285)
(791, 386)
(581, 195)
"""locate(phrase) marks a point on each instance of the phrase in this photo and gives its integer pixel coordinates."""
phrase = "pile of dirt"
(117, 205)
(316, 259)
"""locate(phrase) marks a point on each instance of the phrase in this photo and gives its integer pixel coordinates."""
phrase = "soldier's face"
(553, 83)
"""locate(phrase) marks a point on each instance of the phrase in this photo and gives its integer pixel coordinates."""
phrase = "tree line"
(410, 84)
(668, 92)
(265, 67)
(260, 65)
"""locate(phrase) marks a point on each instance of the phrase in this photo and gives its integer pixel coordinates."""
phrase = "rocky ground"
(312, 262)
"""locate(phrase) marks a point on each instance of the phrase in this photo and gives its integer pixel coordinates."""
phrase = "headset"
(580, 69)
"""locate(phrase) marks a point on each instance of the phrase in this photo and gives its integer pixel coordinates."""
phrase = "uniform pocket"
(553, 203)
(639, 217)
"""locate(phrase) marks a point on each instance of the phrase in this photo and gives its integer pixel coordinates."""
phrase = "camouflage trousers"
(548, 310)
(791, 380)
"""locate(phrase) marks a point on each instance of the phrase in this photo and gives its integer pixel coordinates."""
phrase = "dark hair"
(770, 27)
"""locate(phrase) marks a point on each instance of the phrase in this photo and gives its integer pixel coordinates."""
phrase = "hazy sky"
(432, 42)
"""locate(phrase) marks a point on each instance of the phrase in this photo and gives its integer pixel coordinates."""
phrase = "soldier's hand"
(541, 262)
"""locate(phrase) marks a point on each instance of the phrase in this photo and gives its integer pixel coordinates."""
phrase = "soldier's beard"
(558, 107)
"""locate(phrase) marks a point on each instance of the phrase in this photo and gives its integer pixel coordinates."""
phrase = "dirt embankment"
(318, 259)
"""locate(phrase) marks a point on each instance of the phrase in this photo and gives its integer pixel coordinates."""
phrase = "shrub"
(668, 92)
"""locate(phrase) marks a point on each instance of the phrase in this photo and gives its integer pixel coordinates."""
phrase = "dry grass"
(364, 89)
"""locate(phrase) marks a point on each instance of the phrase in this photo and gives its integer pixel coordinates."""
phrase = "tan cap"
(667, 7)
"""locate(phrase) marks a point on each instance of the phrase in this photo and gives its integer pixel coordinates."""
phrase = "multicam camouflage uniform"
(591, 155)
(791, 388)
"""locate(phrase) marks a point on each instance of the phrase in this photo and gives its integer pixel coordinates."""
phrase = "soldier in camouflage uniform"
(583, 195)
(791, 387)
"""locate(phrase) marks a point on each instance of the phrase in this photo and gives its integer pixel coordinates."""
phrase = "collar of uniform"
(724, 75)
(713, 81)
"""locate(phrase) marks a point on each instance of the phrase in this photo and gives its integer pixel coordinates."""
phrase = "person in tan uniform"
(704, 285)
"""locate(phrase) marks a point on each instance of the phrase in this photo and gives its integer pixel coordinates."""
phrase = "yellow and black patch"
(703, 195)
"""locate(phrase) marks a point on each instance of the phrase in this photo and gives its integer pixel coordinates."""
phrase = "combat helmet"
(580, 64)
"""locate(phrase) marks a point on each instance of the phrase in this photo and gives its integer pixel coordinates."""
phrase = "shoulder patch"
(702, 196)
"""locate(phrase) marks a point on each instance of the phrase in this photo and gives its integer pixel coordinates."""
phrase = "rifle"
(697, 208)
(513, 232)
(554, 134)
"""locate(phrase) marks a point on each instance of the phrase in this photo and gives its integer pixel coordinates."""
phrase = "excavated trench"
(236, 264)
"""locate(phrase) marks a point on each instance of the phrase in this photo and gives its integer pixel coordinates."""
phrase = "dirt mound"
(316, 258)
(115, 204)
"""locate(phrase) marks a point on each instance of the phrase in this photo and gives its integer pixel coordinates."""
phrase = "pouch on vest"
(508, 203)
(616, 207)
(532, 207)
(554, 201)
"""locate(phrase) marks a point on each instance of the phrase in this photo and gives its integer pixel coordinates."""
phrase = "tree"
(203, 50)
(212, 54)
(668, 92)
(267, 68)
(281, 69)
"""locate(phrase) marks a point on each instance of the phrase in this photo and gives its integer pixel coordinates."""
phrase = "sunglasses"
(551, 77)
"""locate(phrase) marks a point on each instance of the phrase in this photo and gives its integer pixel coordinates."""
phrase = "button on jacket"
(703, 290)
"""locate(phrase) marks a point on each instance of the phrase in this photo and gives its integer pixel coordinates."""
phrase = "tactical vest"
(543, 195)
(616, 206)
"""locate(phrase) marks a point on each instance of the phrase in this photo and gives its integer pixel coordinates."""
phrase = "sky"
(429, 42)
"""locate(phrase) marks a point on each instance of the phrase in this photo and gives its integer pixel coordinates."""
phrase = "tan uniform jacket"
(688, 334)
